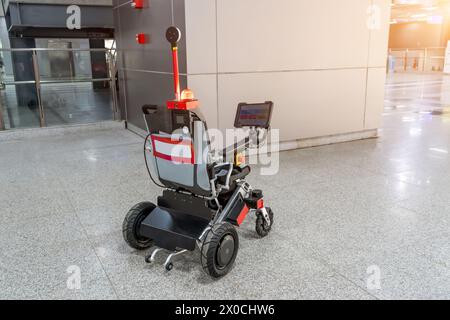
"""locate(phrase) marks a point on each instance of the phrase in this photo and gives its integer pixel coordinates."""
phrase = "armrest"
(225, 178)
(242, 174)
(237, 174)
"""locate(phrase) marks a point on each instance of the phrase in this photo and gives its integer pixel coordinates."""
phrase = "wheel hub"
(137, 228)
(226, 251)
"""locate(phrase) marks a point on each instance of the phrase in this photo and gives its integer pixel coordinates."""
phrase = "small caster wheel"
(169, 267)
(148, 259)
(262, 227)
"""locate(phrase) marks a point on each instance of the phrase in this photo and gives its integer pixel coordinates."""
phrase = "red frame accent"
(138, 4)
(173, 142)
(182, 105)
(260, 204)
(243, 215)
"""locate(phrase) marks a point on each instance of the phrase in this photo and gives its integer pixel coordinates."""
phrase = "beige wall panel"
(307, 103)
(205, 89)
(309, 57)
(268, 35)
(201, 36)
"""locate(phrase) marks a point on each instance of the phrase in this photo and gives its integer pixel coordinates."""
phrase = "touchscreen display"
(254, 115)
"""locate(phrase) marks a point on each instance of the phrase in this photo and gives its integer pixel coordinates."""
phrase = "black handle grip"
(234, 177)
(149, 109)
(244, 173)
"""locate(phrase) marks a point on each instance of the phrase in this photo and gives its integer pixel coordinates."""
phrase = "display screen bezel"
(238, 123)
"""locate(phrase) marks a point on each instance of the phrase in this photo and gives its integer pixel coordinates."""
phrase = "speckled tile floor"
(340, 211)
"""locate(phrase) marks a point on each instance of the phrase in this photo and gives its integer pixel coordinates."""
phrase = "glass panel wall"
(18, 113)
(58, 85)
(75, 103)
(19, 103)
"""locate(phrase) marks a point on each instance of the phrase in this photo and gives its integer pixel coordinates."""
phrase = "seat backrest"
(180, 162)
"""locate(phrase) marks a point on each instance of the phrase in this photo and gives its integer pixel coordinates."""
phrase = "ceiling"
(430, 11)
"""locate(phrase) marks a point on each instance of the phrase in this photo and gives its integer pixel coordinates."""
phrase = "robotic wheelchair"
(205, 197)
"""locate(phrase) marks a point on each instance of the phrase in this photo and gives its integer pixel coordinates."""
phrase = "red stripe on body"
(260, 204)
(243, 215)
(173, 142)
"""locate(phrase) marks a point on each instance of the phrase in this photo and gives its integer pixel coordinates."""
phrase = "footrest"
(172, 230)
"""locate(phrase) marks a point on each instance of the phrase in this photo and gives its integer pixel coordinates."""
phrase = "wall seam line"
(217, 65)
(253, 72)
(173, 15)
(122, 70)
(367, 71)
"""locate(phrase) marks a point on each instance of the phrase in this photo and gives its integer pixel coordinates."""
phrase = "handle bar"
(148, 109)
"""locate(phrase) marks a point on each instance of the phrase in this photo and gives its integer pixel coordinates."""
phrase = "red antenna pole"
(173, 35)
(176, 73)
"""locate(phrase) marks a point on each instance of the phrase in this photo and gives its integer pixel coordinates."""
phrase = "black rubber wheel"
(220, 249)
(169, 267)
(262, 227)
(132, 224)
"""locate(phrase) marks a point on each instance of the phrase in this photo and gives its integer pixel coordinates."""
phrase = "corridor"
(342, 212)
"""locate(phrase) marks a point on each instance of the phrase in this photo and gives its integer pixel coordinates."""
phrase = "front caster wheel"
(169, 267)
(262, 227)
(132, 224)
(219, 250)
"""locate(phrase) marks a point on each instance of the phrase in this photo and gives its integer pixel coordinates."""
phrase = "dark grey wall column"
(145, 71)
(4, 38)
(98, 64)
(24, 71)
